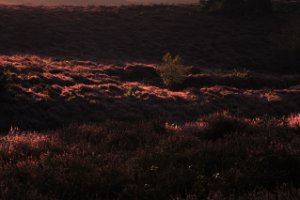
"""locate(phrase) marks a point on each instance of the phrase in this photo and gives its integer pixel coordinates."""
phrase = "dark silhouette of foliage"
(3, 80)
(287, 42)
(239, 7)
(116, 160)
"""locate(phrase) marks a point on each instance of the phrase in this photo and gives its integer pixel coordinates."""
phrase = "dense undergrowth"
(217, 157)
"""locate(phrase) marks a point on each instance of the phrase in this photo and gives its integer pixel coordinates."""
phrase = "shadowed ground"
(142, 33)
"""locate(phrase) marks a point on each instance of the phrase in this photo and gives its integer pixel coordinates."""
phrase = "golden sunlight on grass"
(136, 91)
(294, 120)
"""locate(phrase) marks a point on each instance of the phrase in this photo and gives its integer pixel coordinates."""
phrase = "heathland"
(89, 111)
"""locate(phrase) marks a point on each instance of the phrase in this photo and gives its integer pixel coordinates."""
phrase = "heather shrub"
(172, 71)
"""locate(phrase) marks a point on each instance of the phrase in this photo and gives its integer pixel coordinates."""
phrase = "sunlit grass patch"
(27, 144)
(294, 121)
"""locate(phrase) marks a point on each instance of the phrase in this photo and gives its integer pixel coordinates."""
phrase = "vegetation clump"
(172, 71)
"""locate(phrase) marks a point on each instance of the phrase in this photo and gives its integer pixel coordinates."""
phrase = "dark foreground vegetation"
(218, 157)
(90, 111)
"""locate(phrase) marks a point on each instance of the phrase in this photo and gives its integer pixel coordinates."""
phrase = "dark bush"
(224, 6)
(3, 80)
(287, 43)
(221, 125)
(239, 7)
(258, 6)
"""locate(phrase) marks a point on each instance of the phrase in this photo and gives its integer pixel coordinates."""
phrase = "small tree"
(172, 70)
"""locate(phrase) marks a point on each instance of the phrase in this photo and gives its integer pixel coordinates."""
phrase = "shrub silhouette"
(287, 42)
(224, 5)
(172, 71)
(258, 6)
(3, 80)
(289, 38)
(220, 125)
(239, 7)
